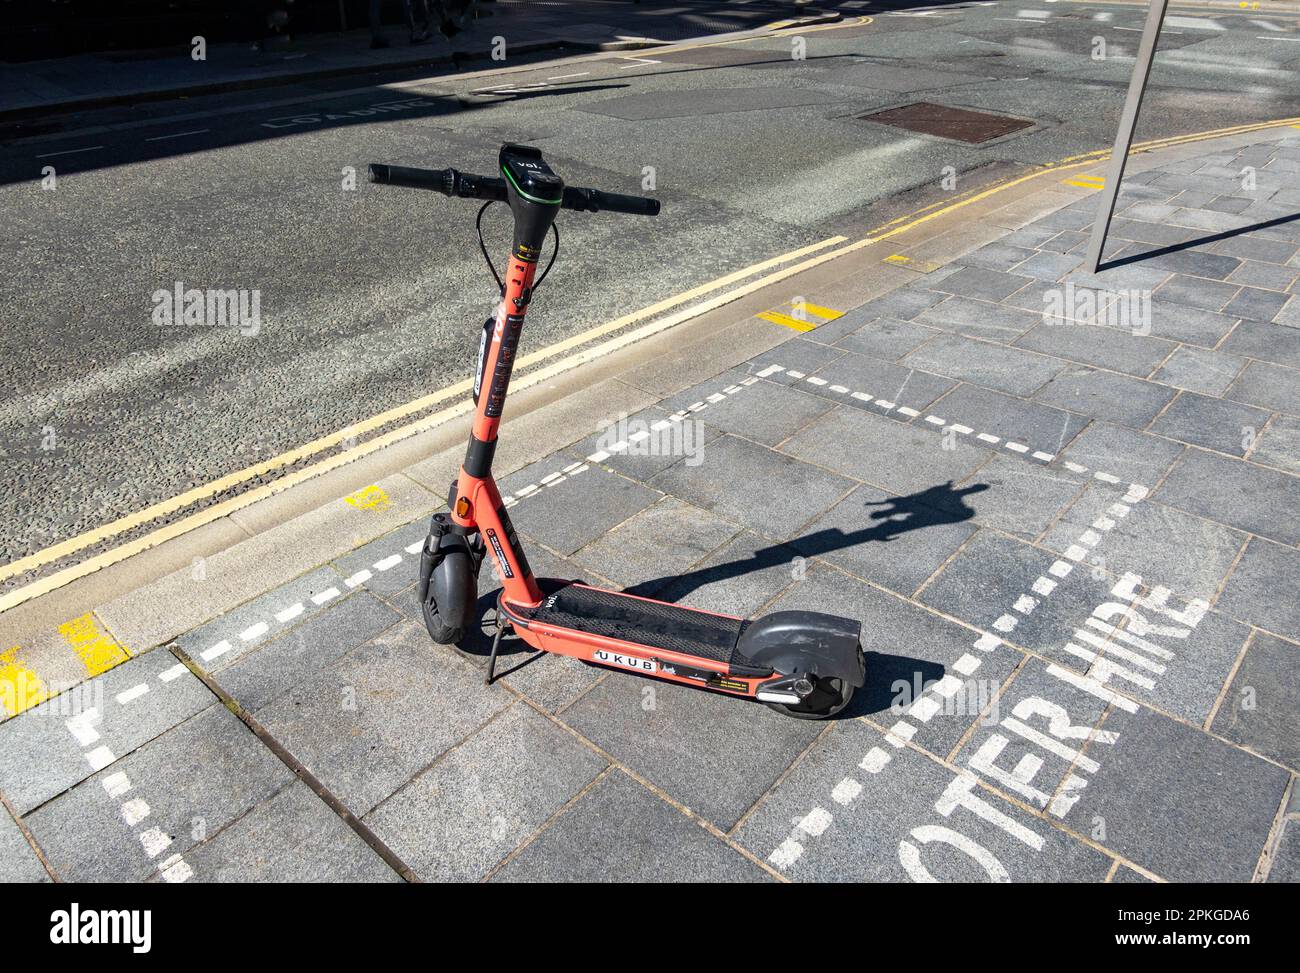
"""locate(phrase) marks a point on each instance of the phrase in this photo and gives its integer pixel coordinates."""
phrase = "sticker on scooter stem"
(501, 555)
(626, 661)
(504, 364)
(483, 340)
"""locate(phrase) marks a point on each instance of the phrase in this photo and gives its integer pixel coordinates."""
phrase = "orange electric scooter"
(805, 664)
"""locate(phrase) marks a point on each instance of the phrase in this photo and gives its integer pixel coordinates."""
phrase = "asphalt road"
(370, 297)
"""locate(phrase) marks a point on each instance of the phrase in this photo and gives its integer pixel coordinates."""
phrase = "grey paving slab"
(981, 283)
(891, 830)
(664, 539)
(277, 666)
(553, 516)
(292, 837)
(1138, 275)
(1286, 857)
(1106, 395)
(1262, 707)
(459, 819)
(652, 453)
(1022, 498)
(764, 412)
(1196, 292)
(797, 354)
(1259, 305)
(178, 790)
(886, 338)
(367, 723)
(1271, 387)
(1039, 238)
(983, 363)
(1038, 426)
(1262, 588)
(902, 304)
(1035, 698)
(1062, 305)
(262, 610)
(996, 256)
(1179, 802)
(1279, 444)
(1162, 544)
(1198, 263)
(1195, 326)
(1136, 457)
(991, 573)
(736, 580)
(1048, 266)
(1239, 494)
(980, 319)
(385, 576)
(41, 757)
(1090, 344)
(852, 442)
(1269, 276)
(552, 682)
(1199, 370)
(1218, 424)
(735, 481)
(893, 541)
(1254, 339)
(712, 753)
(652, 842)
(1255, 248)
(882, 380)
(908, 648)
(1190, 663)
(18, 863)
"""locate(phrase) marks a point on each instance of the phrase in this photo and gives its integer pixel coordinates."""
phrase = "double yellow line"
(808, 257)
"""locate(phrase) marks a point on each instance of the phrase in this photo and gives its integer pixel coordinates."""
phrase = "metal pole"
(1124, 137)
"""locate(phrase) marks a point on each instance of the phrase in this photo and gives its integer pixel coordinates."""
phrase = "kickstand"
(496, 647)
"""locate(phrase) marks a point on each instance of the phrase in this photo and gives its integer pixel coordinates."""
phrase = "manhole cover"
(946, 122)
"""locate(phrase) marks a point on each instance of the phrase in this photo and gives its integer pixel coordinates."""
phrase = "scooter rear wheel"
(827, 699)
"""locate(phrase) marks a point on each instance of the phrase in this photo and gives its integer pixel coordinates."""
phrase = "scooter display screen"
(532, 176)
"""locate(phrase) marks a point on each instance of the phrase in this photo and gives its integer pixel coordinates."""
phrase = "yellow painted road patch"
(825, 313)
(369, 498)
(20, 687)
(776, 317)
(97, 650)
(920, 266)
(1087, 182)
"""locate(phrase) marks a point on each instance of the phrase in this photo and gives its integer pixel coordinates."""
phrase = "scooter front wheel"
(447, 623)
(828, 698)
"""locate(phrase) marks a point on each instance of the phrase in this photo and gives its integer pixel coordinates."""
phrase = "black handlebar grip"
(439, 180)
(594, 200)
(449, 182)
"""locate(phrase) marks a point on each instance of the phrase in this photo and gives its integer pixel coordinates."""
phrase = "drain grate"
(946, 122)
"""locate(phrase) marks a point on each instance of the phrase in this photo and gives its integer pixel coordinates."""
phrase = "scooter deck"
(643, 622)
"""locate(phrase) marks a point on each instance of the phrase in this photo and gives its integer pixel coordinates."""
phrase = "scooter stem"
(534, 194)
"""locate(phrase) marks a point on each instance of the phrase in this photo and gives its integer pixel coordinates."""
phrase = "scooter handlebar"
(452, 182)
(449, 182)
(595, 200)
